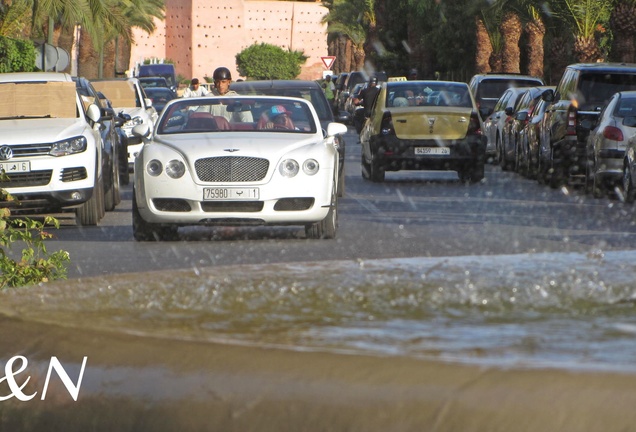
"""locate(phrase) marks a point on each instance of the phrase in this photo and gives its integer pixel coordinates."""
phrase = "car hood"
(431, 123)
(237, 144)
(40, 130)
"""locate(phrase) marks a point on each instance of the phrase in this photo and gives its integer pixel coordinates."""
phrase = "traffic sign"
(328, 61)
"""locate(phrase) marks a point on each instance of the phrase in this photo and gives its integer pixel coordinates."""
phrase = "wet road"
(411, 214)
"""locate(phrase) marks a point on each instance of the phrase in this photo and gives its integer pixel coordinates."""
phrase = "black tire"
(326, 228)
(89, 213)
(588, 186)
(146, 231)
(376, 172)
(112, 195)
(629, 192)
(341, 182)
(502, 157)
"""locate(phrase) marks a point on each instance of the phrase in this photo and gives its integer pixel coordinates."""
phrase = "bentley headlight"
(175, 169)
(69, 146)
(154, 168)
(310, 167)
(289, 168)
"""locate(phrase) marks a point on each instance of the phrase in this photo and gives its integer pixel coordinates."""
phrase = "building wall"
(201, 35)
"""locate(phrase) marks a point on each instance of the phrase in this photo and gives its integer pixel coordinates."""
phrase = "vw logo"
(6, 153)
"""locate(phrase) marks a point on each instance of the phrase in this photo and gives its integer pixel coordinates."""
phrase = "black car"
(114, 149)
(160, 96)
(309, 90)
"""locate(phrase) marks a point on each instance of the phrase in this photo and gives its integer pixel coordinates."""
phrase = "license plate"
(12, 167)
(230, 193)
(445, 151)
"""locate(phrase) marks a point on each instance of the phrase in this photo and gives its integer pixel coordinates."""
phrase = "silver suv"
(488, 88)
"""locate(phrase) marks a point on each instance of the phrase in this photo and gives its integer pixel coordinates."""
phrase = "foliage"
(584, 15)
(35, 264)
(16, 55)
(156, 60)
(266, 61)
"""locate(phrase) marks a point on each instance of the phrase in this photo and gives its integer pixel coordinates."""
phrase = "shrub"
(266, 61)
(16, 55)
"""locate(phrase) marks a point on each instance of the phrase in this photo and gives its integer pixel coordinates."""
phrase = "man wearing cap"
(195, 89)
(277, 117)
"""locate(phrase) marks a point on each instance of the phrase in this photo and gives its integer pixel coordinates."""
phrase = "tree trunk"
(587, 50)
(535, 30)
(483, 48)
(88, 58)
(510, 29)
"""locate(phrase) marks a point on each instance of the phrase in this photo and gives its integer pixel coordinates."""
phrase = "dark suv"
(488, 88)
(572, 112)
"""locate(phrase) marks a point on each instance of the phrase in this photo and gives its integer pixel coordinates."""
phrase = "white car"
(240, 160)
(51, 147)
(127, 95)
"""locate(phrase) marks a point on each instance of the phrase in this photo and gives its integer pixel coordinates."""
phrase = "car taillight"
(613, 133)
(474, 126)
(386, 126)
(571, 128)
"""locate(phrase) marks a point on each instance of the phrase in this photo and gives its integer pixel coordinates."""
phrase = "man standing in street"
(368, 95)
(195, 89)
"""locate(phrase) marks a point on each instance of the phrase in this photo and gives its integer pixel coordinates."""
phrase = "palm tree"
(535, 29)
(511, 30)
(623, 24)
(483, 48)
(345, 26)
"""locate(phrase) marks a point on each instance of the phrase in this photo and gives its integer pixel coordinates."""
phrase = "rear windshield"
(493, 89)
(596, 89)
(428, 93)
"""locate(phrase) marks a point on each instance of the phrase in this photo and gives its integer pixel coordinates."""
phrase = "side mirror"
(141, 130)
(93, 113)
(548, 95)
(148, 102)
(336, 129)
(509, 111)
(522, 116)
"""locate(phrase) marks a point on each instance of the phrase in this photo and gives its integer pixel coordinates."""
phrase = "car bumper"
(395, 154)
(610, 163)
(280, 201)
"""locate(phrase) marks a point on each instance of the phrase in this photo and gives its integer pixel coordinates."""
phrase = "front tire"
(90, 212)
(629, 192)
(377, 171)
(326, 228)
(147, 231)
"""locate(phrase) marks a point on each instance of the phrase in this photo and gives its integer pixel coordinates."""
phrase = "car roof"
(604, 67)
(35, 76)
(275, 84)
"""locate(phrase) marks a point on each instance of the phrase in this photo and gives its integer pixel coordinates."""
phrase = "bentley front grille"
(231, 169)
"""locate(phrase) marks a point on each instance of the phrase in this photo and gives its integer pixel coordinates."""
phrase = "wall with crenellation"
(201, 35)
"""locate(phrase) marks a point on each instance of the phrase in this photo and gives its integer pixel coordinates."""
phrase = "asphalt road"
(411, 214)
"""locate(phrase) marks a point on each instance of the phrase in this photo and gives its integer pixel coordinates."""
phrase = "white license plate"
(230, 193)
(432, 151)
(12, 167)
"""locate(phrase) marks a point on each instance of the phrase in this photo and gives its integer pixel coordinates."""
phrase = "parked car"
(517, 127)
(497, 128)
(488, 88)
(573, 108)
(129, 98)
(607, 142)
(164, 70)
(440, 131)
(114, 151)
(201, 169)
(309, 90)
(51, 146)
(529, 139)
(160, 96)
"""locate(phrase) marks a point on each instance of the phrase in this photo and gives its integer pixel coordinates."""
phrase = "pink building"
(201, 35)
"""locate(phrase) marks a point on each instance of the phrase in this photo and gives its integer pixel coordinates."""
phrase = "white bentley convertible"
(240, 160)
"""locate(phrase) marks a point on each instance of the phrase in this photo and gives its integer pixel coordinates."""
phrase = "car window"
(494, 88)
(596, 89)
(428, 94)
(237, 114)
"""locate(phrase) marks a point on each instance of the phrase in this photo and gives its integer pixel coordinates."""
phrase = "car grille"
(30, 150)
(171, 205)
(73, 174)
(294, 204)
(231, 169)
(33, 178)
(232, 206)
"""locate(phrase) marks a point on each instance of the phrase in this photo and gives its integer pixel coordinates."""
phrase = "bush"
(16, 55)
(36, 264)
(265, 61)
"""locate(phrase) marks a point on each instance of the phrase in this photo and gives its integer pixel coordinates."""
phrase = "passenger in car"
(277, 117)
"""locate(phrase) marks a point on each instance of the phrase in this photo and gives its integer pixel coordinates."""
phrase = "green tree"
(347, 33)
(266, 61)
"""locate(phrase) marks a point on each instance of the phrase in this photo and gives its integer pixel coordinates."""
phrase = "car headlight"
(134, 121)
(289, 168)
(175, 169)
(69, 146)
(310, 167)
(154, 167)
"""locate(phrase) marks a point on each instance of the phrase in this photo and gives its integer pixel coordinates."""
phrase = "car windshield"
(596, 89)
(494, 88)
(401, 94)
(39, 99)
(121, 93)
(196, 115)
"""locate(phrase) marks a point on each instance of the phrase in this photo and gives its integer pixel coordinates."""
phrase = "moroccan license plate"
(210, 194)
(444, 151)
(13, 167)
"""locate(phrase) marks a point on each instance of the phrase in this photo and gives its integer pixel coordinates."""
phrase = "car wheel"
(341, 182)
(589, 174)
(377, 171)
(112, 194)
(365, 168)
(629, 192)
(146, 231)
(326, 228)
(472, 173)
(598, 188)
(502, 156)
(89, 213)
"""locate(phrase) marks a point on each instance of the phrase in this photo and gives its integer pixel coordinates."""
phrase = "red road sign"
(328, 61)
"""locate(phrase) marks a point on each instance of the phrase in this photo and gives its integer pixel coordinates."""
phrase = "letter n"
(66, 380)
